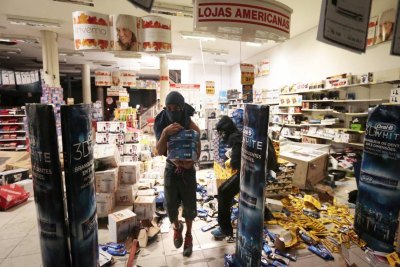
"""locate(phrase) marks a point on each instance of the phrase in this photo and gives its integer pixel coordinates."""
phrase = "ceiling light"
(18, 38)
(253, 44)
(105, 63)
(70, 53)
(172, 10)
(34, 22)
(178, 57)
(220, 61)
(216, 52)
(194, 36)
(126, 54)
(10, 50)
(79, 2)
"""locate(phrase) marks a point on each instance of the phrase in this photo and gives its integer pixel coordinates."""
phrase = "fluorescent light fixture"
(10, 50)
(220, 61)
(79, 2)
(172, 10)
(126, 54)
(70, 53)
(178, 57)
(253, 44)
(195, 36)
(216, 52)
(33, 22)
(18, 38)
(105, 63)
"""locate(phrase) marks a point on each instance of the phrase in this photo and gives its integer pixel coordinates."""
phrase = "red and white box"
(11, 195)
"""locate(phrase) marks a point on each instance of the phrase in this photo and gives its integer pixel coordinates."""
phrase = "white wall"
(304, 59)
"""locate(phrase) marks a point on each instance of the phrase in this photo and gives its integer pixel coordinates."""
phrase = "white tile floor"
(19, 245)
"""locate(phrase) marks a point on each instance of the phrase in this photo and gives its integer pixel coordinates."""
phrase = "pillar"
(164, 79)
(51, 68)
(100, 95)
(86, 92)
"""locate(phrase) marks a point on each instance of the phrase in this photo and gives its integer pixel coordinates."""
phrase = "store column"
(86, 92)
(164, 79)
(100, 95)
(51, 67)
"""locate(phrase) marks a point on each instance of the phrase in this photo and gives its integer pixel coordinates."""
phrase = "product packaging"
(13, 176)
(106, 181)
(145, 207)
(182, 154)
(105, 204)
(106, 155)
(125, 195)
(131, 149)
(27, 185)
(129, 173)
(12, 195)
(121, 224)
(377, 208)
(182, 144)
(48, 185)
(184, 135)
(76, 127)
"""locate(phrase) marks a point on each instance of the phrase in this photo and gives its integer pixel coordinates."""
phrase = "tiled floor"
(19, 245)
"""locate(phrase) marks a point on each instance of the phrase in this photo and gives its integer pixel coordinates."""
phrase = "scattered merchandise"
(13, 176)
(12, 195)
(120, 225)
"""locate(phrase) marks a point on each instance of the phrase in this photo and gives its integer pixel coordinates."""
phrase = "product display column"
(164, 79)
(50, 58)
(86, 94)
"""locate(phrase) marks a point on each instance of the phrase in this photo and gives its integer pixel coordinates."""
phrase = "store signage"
(124, 32)
(116, 91)
(263, 68)
(247, 71)
(91, 30)
(210, 87)
(252, 183)
(247, 93)
(102, 78)
(155, 35)
(177, 86)
(395, 50)
(373, 23)
(267, 17)
(376, 218)
(345, 24)
(128, 78)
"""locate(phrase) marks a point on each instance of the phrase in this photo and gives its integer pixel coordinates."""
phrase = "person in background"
(230, 135)
(180, 176)
(126, 28)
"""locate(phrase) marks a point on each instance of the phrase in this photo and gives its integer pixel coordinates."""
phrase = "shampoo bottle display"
(377, 209)
(47, 185)
(79, 180)
(252, 184)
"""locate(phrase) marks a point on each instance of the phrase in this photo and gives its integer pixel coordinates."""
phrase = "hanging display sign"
(179, 86)
(263, 68)
(247, 71)
(253, 19)
(116, 91)
(128, 78)
(252, 184)
(373, 23)
(247, 93)
(210, 87)
(102, 78)
(376, 218)
(395, 50)
(345, 23)
(155, 35)
(91, 30)
(124, 32)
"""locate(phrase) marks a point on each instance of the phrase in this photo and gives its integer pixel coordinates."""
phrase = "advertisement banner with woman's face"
(124, 32)
(386, 26)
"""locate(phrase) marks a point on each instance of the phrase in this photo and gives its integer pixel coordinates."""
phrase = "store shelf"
(303, 125)
(358, 100)
(318, 101)
(317, 136)
(296, 113)
(350, 130)
(15, 123)
(7, 132)
(350, 144)
(291, 137)
(9, 140)
(317, 110)
(8, 116)
(352, 114)
(288, 106)
(8, 148)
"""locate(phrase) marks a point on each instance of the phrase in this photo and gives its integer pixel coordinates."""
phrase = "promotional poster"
(377, 209)
(47, 185)
(79, 179)
(252, 183)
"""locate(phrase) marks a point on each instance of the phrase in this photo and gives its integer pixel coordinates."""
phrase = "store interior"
(85, 160)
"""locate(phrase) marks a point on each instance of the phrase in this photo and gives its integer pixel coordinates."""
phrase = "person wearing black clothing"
(231, 187)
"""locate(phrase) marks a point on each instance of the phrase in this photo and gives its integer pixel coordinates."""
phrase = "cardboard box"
(125, 195)
(117, 127)
(106, 181)
(120, 225)
(204, 134)
(101, 138)
(103, 126)
(106, 155)
(115, 139)
(132, 137)
(144, 207)
(129, 173)
(131, 149)
(204, 156)
(273, 205)
(13, 176)
(205, 145)
(105, 203)
(146, 192)
(27, 185)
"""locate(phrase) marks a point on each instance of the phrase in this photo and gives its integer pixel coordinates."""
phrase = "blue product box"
(182, 154)
(182, 144)
(184, 135)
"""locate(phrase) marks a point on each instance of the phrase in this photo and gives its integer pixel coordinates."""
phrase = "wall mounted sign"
(263, 68)
(251, 20)
(155, 34)
(344, 23)
(210, 87)
(91, 30)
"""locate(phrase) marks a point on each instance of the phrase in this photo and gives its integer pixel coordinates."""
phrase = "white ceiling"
(305, 16)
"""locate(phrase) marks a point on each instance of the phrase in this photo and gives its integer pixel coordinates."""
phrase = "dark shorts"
(180, 188)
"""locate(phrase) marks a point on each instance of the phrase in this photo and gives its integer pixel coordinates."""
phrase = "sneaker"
(218, 234)
(188, 246)
(178, 239)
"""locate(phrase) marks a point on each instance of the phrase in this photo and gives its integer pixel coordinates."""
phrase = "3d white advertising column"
(50, 58)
